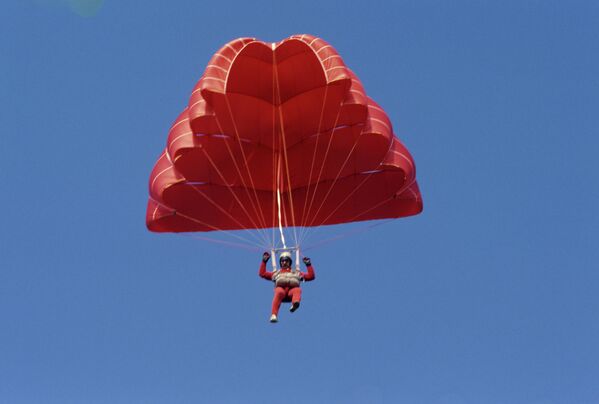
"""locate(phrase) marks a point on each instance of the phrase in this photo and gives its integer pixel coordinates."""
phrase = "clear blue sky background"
(490, 296)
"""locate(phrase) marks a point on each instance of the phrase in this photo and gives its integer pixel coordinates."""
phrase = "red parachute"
(279, 135)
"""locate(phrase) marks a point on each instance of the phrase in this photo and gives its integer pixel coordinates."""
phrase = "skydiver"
(287, 282)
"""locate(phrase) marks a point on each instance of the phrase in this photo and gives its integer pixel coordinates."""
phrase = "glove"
(265, 257)
(307, 261)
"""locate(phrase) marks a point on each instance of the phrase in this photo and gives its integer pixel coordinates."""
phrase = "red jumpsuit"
(293, 294)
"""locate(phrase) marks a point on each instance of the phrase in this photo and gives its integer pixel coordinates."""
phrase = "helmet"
(285, 255)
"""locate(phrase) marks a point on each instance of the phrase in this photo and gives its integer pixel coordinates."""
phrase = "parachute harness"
(293, 250)
(279, 205)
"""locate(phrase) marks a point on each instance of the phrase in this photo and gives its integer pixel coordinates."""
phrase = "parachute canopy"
(279, 134)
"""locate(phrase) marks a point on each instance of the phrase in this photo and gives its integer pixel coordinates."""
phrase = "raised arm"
(262, 272)
(309, 275)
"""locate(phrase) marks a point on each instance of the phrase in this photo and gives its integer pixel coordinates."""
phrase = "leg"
(277, 299)
(296, 296)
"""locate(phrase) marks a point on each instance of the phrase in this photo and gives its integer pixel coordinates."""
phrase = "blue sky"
(490, 296)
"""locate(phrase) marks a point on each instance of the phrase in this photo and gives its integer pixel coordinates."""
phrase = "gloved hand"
(265, 257)
(307, 261)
